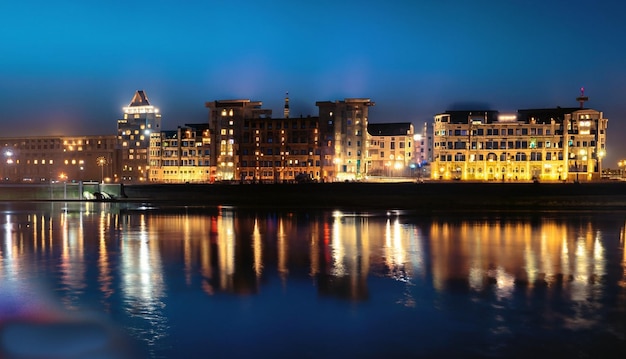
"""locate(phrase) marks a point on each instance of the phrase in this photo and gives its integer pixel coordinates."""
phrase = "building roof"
(545, 115)
(140, 99)
(389, 129)
(464, 116)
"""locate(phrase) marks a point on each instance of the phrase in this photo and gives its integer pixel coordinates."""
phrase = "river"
(128, 280)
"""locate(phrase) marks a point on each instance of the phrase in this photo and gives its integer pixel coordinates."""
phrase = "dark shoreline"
(428, 196)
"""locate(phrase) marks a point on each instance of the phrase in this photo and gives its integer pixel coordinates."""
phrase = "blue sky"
(68, 67)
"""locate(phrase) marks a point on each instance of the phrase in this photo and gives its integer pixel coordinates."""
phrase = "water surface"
(218, 282)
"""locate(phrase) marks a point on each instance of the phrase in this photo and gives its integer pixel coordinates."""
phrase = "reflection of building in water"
(232, 255)
(403, 252)
(72, 264)
(474, 255)
(9, 253)
(622, 282)
(142, 283)
(105, 278)
(344, 272)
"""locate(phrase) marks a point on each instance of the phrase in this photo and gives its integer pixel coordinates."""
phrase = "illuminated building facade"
(65, 159)
(226, 123)
(133, 135)
(561, 144)
(391, 149)
(181, 156)
(279, 149)
(343, 130)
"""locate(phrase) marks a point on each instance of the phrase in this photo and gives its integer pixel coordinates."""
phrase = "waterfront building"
(181, 156)
(343, 138)
(46, 159)
(560, 144)
(140, 120)
(391, 150)
(279, 149)
(227, 120)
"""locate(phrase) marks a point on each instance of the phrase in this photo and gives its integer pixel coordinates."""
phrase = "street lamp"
(101, 162)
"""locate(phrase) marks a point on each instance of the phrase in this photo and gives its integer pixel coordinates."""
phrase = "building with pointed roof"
(133, 135)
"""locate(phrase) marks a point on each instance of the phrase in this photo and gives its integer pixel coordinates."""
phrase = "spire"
(286, 109)
(140, 99)
(582, 98)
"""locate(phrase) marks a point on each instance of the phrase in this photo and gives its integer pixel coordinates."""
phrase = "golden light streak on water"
(226, 250)
(104, 267)
(283, 250)
(337, 248)
(257, 248)
(314, 250)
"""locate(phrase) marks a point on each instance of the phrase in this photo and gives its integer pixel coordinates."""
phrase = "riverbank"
(411, 196)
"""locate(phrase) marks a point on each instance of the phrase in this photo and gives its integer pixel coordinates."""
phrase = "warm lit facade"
(133, 134)
(49, 159)
(561, 144)
(391, 150)
(226, 122)
(278, 149)
(343, 129)
(181, 156)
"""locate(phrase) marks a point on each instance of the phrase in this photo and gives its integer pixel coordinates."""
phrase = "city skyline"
(74, 71)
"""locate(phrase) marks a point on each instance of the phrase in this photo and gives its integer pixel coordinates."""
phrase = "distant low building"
(45, 159)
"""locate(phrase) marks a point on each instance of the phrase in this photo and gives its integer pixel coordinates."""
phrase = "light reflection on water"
(178, 279)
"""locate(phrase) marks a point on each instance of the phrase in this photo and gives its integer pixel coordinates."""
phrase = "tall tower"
(582, 98)
(133, 138)
(286, 109)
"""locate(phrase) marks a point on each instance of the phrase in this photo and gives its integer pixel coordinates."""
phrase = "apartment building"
(226, 123)
(392, 149)
(279, 149)
(560, 144)
(181, 156)
(343, 131)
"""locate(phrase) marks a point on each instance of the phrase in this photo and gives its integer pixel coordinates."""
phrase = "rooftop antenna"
(582, 98)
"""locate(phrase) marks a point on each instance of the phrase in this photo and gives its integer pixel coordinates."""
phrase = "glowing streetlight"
(101, 162)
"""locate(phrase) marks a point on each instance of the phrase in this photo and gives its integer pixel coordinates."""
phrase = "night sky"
(68, 67)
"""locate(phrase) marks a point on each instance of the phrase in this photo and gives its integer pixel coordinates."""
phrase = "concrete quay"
(428, 196)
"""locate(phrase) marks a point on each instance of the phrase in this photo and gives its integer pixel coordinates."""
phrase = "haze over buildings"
(70, 67)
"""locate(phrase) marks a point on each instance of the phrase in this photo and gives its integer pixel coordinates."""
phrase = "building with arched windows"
(560, 144)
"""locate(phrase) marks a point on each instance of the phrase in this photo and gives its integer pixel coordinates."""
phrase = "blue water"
(139, 280)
